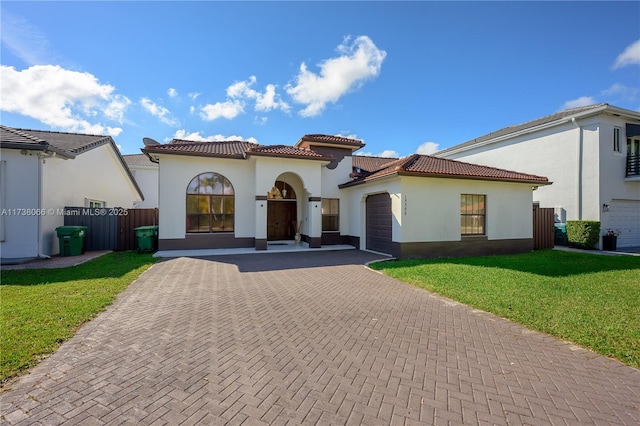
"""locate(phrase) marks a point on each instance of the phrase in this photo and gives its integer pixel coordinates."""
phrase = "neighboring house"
(145, 173)
(42, 172)
(239, 194)
(592, 155)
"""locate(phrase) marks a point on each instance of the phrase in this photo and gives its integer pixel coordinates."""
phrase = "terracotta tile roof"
(138, 160)
(286, 151)
(528, 125)
(229, 149)
(370, 164)
(232, 149)
(429, 166)
(71, 143)
(331, 140)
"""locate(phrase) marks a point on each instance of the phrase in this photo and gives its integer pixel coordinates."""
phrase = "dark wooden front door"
(280, 213)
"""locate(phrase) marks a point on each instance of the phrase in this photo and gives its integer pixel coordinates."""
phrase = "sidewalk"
(54, 261)
(623, 251)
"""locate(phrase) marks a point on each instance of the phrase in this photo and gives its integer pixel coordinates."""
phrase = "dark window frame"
(330, 219)
(473, 214)
(210, 204)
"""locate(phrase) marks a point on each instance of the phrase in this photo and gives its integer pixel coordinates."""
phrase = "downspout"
(41, 161)
(39, 227)
(579, 168)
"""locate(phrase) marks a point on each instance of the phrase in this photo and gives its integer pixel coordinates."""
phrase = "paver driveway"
(311, 338)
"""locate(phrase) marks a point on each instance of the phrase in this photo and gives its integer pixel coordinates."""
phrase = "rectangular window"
(330, 214)
(94, 203)
(472, 214)
(616, 139)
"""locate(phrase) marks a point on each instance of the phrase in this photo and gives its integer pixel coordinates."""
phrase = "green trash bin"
(146, 237)
(71, 240)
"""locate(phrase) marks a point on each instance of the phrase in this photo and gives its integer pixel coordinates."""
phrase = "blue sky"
(404, 77)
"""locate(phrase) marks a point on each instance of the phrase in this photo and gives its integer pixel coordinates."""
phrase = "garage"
(378, 223)
(625, 216)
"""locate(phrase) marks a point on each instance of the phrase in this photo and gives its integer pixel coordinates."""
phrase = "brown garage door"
(379, 223)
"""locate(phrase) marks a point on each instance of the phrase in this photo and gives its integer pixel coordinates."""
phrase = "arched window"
(210, 204)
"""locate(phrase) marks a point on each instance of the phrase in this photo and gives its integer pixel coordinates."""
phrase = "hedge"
(583, 234)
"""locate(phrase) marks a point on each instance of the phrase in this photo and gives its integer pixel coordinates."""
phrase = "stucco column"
(315, 222)
(261, 222)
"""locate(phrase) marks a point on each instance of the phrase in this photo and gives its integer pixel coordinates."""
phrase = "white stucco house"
(592, 155)
(145, 172)
(240, 194)
(42, 172)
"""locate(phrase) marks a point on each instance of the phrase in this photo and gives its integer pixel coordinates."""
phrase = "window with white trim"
(94, 203)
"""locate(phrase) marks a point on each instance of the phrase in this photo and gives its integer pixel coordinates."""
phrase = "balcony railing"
(633, 165)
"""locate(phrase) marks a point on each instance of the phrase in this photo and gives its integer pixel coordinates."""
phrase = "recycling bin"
(147, 237)
(71, 239)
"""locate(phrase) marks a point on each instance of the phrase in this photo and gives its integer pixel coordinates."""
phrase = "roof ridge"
(175, 141)
(89, 145)
(567, 111)
(480, 165)
(545, 120)
(57, 132)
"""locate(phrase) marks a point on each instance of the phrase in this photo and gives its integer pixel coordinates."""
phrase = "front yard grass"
(588, 299)
(41, 308)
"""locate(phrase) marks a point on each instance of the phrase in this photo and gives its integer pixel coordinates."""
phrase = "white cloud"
(237, 96)
(197, 137)
(193, 95)
(620, 91)
(172, 92)
(358, 62)
(67, 100)
(349, 136)
(428, 148)
(228, 110)
(266, 101)
(387, 153)
(579, 102)
(630, 56)
(163, 114)
(116, 108)
(24, 40)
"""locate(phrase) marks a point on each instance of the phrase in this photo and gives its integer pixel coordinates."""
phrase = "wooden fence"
(111, 228)
(543, 228)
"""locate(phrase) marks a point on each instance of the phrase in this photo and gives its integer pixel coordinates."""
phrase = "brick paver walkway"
(311, 338)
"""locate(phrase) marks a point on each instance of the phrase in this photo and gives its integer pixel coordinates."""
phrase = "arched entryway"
(282, 212)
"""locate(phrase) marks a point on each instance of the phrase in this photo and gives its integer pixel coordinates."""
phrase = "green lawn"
(41, 308)
(588, 299)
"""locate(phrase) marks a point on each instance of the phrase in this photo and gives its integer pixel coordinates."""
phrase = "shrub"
(583, 234)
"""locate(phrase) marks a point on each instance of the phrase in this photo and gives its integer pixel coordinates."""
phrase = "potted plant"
(610, 239)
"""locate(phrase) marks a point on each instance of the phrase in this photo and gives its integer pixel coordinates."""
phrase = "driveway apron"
(311, 338)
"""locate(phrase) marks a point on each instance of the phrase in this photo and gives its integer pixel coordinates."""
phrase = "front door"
(280, 214)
